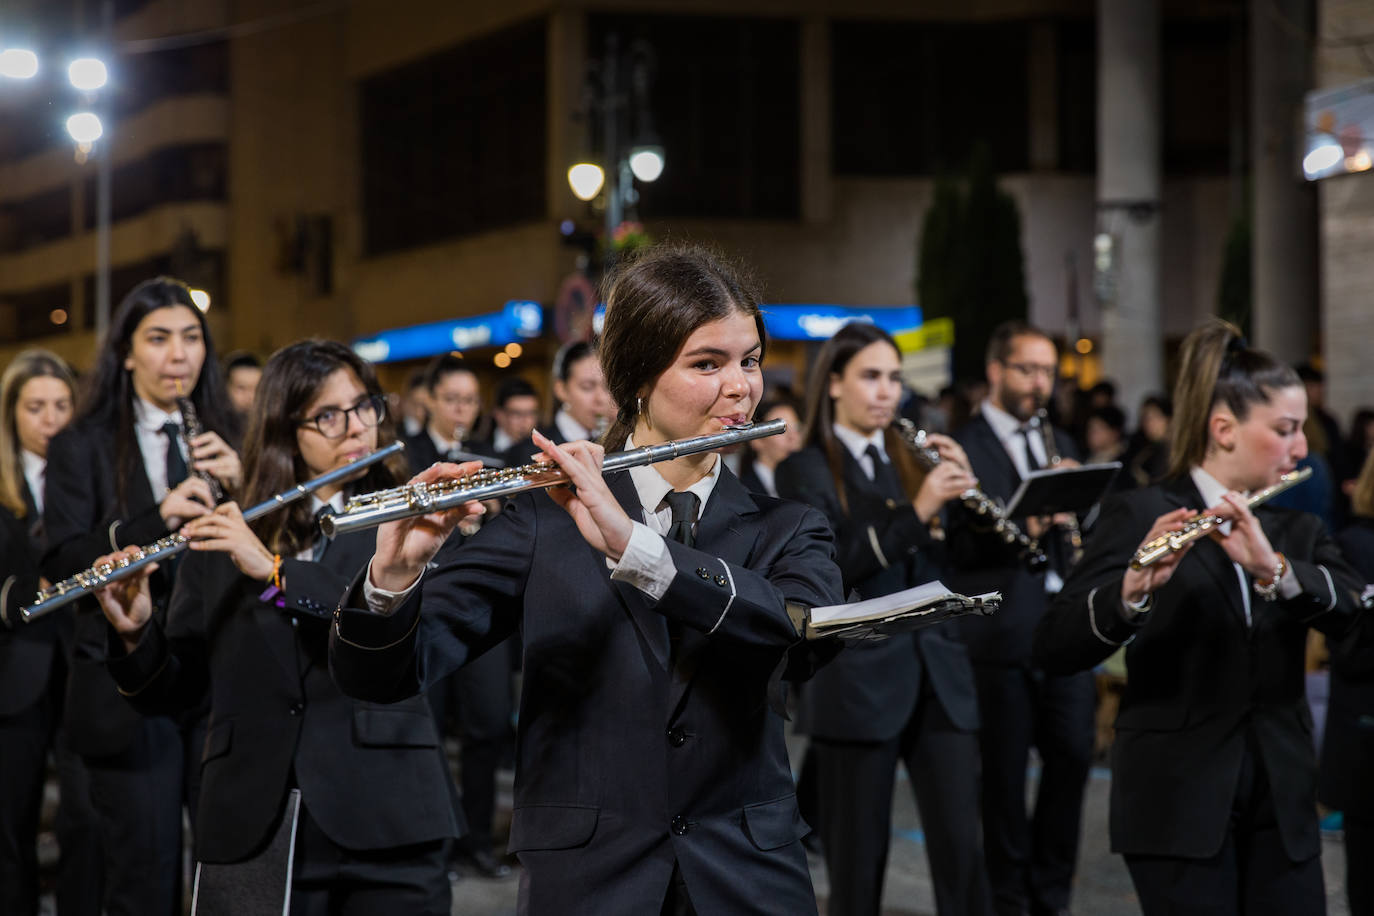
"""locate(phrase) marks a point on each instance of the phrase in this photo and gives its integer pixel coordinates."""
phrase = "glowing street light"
(18, 63)
(201, 298)
(586, 179)
(85, 128)
(647, 162)
(88, 73)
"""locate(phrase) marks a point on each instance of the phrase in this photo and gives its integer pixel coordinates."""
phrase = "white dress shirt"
(1008, 430)
(152, 443)
(857, 445)
(570, 429)
(35, 468)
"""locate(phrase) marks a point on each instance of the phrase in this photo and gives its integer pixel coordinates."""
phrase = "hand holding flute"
(406, 545)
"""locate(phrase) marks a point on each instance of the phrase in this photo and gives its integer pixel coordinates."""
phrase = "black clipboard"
(1062, 489)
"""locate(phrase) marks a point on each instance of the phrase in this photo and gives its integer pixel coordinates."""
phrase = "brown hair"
(271, 457)
(1002, 337)
(819, 424)
(654, 304)
(29, 364)
(1217, 366)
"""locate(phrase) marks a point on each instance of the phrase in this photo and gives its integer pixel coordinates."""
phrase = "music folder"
(900, 612)
(1062, 489)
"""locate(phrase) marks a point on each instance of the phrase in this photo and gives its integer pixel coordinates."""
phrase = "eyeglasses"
(1030, 370)
(332, 422)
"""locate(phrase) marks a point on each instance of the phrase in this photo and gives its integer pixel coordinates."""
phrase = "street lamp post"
(624, 114)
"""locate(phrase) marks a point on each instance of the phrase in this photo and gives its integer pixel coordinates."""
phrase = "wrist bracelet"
(1269, 588)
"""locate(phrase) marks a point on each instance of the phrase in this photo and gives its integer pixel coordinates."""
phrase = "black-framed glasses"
(332, 422)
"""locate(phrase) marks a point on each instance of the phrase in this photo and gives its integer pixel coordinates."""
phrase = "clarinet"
(1072, 533)
(975, 500)
(191, 428)
(87, 581)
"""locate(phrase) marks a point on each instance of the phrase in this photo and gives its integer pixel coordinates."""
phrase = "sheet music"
(910, 609)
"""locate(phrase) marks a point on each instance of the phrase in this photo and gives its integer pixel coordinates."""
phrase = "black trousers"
(1031, 855)
(1359, 857)
(138, 795)
(330, 880)
(855, 782)
(478, 695)
(1250, 876)
(25, 740)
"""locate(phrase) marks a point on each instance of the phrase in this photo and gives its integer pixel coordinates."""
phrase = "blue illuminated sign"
(516, 320)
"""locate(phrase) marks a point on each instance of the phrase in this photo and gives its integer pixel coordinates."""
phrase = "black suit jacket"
(1200, 678)
(82, 522)
(372, 775)
(519, 453)
(636, 749)
(869, 692)
(980, 561)
(1348, 745)
(28, 651)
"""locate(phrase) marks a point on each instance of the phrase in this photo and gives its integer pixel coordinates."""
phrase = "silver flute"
(87, 581)
(975, 500)
(1196, 527)
(372, 509)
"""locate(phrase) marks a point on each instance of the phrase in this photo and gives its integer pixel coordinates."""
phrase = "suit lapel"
(1183, 493)
(652, 626)
(726, 530)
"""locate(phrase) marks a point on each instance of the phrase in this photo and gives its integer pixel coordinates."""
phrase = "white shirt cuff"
(380, 600)
(646, 563)
(1289, 586)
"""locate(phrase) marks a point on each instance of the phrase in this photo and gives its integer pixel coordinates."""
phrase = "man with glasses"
(516, 412)
(1030, 855)
(455, 401)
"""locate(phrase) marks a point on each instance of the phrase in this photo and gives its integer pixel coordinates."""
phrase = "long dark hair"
(1217, 367)
(30, 364)
(108, 389)
(271, 458)
(654, 304)
(819, 422)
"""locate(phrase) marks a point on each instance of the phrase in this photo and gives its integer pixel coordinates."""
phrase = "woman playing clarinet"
(910, 697)
(123, 474)
(247, 629)
(658, 609)
(1214, 772)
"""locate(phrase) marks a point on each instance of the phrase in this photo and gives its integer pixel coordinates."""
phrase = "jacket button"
(676, 736)
(297, 709)
(680, 826)
(720, 580)
(701, 571)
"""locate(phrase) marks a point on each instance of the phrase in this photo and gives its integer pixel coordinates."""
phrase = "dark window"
(1196, 67)
(36, 220)
(726, 102)
(201, 268)
(174, 174)
(1076, 92)
(455, 143)
(916, 98)
(28, 314)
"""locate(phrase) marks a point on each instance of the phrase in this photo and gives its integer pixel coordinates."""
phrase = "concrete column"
(1284, 252)
(567, 74)
(817, 183)
(1128, 193)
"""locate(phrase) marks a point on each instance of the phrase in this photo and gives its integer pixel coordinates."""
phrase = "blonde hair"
(29, 364)
(1216, 367)
(1362, 500)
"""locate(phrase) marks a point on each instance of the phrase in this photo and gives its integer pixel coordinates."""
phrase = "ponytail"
(1217, 366)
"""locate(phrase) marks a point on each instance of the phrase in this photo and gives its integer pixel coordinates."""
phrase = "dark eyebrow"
(717, 351)
(194, 326)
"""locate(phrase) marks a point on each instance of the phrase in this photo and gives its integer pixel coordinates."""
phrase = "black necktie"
(176, 465)
(883, 474)
(321, 541)
(1031, 463)
(684, 508)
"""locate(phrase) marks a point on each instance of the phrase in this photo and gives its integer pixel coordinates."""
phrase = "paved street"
(1103, 886)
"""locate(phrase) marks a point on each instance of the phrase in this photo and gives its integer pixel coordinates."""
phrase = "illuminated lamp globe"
(87, 74)
(18, 63)
(586, 179)
(201, 298)
(647, 162)
(84, 127)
